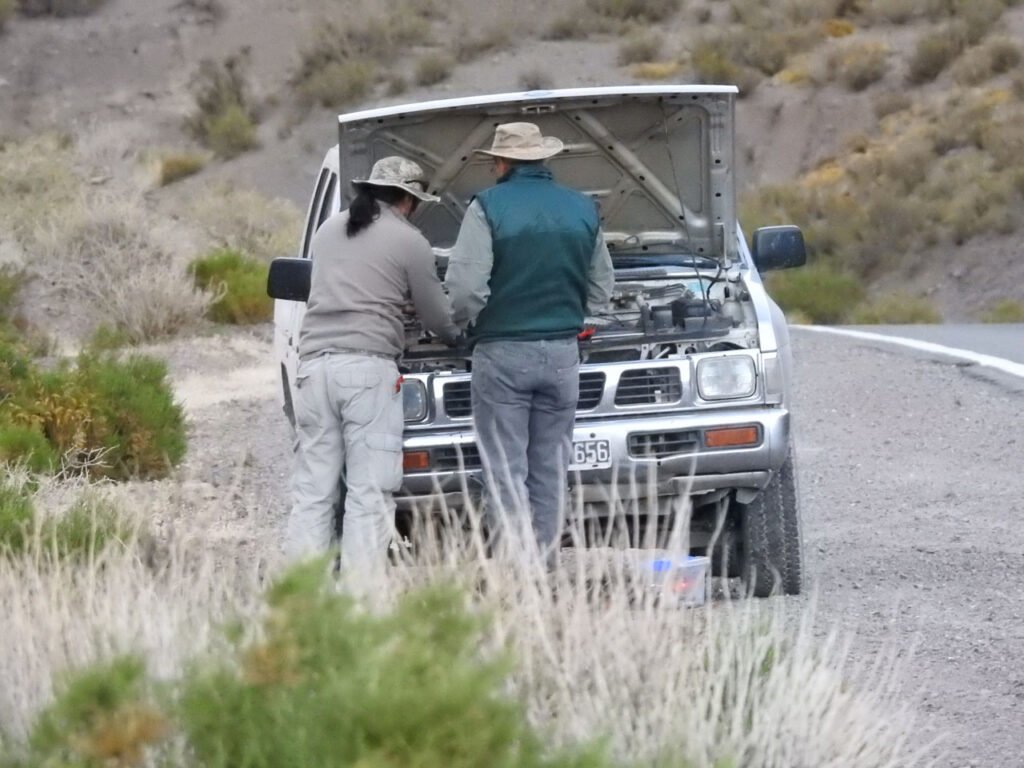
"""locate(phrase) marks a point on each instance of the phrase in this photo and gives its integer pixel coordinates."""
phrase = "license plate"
(591, 454)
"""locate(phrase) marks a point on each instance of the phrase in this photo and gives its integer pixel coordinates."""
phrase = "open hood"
(659, 160)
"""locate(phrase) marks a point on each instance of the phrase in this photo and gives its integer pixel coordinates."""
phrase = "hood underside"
(659, 160)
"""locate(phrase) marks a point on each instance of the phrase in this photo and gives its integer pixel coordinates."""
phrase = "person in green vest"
(530, 263)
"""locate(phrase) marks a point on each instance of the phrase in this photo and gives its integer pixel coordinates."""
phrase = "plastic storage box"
(677, 579)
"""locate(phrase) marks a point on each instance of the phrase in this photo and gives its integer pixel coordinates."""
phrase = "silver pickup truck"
(685, 382)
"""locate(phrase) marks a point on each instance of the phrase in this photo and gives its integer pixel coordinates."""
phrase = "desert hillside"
(888, 129)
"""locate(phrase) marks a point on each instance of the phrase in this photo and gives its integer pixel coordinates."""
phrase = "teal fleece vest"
(543, 238)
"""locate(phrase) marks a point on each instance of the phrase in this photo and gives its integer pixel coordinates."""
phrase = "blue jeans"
(524, 396)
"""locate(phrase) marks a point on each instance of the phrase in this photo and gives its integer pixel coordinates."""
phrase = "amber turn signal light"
(731, 437)
(416, 460)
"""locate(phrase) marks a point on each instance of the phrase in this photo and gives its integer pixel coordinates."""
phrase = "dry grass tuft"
(995, 56)
(246, 221)
(933, 52)
(172, 167)
(656, 70)
(640, 46)
(635, 10)
(224, 118)
(110, 255)
(837, 28)
(594, 655)
(433, 68)
(859, 63)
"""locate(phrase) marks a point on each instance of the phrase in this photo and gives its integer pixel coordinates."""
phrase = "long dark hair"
(365, 207)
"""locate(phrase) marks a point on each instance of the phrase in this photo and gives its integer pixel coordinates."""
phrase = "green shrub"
(858, 64)
(173, 167)
(932, 53)
(338, 83)
(103, 715)
(639, 46)
(433, 68)
(1004, 311)
(106, 417)
(224, 119)
(895, 309)
(638, 10)
(819, 293)
(330, 685)
(240, 284)
(27, 444)
(16, 514)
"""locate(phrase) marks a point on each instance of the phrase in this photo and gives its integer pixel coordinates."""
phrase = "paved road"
(1002, 340)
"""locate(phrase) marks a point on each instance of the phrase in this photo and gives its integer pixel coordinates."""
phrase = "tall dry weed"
(246, 221)
(114, 257)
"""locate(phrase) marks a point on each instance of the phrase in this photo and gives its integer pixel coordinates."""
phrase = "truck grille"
(649, 386)
(447, 458)
(656, 445)
(458, 405)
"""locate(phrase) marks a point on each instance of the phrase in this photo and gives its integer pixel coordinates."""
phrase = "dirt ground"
(911, 488)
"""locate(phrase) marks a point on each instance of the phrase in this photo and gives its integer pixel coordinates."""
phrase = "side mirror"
(778, 248)
(289, 279)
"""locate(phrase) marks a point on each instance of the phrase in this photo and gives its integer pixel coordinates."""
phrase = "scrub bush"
(933, 52)
(858, 64)
(433, 69)
(244, 220)
(1004, 311)
(895, 309)
(224, 119)
(103, 416)
(338, 83)
(819, 293)
(639, 46)
(330, 685)
(58, 7)
(635, 10)
(994, 57)
(173, 167)
(238, 282)
(102, 716)
(469, 44)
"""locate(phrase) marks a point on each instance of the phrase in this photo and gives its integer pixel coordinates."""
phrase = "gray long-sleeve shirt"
(472, 258)
(361, 285)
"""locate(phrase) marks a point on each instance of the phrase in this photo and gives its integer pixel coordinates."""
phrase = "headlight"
(722, 378)
(414, 399)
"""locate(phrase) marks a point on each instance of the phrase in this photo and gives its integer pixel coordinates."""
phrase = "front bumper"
(694, 470)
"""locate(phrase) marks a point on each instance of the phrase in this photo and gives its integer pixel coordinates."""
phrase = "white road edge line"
(989, 361)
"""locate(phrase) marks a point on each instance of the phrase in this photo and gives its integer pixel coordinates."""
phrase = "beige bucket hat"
(398, 172)
(522, 141)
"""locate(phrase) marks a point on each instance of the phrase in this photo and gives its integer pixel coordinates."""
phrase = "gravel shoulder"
(911, 484)
(912, 494)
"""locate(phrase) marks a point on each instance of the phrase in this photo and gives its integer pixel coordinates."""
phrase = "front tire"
(772, 547)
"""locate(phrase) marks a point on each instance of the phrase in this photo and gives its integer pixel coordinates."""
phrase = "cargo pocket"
(386, 459)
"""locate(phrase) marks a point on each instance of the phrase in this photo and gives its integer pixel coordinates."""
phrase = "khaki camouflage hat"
(398, 172)
(522, 141)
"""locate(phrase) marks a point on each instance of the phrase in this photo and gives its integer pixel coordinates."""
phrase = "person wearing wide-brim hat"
(529, 265)
(367, 262)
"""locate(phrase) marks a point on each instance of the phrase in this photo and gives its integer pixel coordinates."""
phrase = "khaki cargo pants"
(348, 416)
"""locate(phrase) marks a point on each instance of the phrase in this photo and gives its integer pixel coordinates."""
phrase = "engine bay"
(655, 313)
